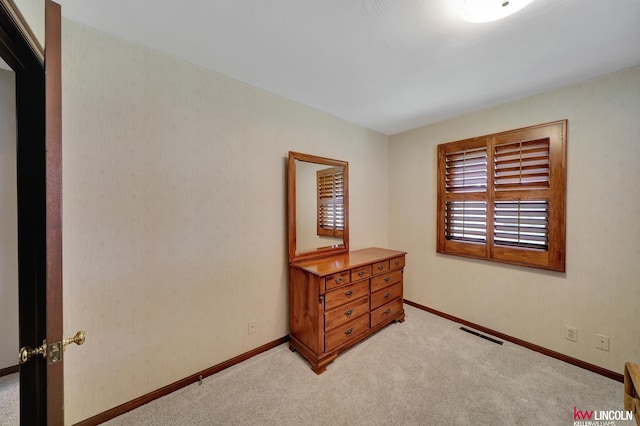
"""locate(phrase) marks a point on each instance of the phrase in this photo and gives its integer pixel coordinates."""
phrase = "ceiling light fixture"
(490, 10)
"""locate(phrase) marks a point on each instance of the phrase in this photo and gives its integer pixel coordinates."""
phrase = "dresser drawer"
(385, 311)
(346, 313)
(340, 296)
(380, 267)
(360, 273)
(385, 280)
(344, 333)
(396, 263)
(386, 295)
(336, 280)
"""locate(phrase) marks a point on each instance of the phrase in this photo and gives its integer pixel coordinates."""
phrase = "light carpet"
(9, 400)
(425, 371)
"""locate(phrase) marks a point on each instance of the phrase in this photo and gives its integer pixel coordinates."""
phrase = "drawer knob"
(387, 295)
(361, 273)
(397, 262)
(380, 267)
(338, 280)
(349, 312)
(348, 331)
(387, 311)
(348, 293)
(387, 279)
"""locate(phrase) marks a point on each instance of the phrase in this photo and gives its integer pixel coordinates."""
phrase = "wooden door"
(38, 149)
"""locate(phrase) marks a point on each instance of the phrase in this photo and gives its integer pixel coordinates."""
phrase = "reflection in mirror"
(330, 202)
(318, 206)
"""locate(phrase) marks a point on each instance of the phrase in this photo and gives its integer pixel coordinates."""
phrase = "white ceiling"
(388, 65)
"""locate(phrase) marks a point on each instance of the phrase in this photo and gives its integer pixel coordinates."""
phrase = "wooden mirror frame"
(291, 207)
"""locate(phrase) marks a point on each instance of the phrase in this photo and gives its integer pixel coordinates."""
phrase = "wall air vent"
(475, 333)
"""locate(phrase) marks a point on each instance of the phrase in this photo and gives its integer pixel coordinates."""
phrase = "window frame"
(554, 257)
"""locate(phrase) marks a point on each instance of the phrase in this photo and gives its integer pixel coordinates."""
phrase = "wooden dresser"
(632, 390)
(336, 301)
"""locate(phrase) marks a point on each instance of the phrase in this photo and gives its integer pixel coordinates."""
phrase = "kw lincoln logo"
(599, 418)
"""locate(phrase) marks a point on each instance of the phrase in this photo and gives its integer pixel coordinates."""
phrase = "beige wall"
(174, 218)
(8, 223)
(599, 292)
(174, 214)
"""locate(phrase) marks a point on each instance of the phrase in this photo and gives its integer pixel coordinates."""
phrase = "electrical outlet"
(252, 326)
(602, 342)
(571, 333)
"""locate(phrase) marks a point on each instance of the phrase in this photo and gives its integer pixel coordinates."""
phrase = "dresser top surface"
(353, 259)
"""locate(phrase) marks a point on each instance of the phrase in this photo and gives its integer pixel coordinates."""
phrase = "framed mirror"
(318, 206)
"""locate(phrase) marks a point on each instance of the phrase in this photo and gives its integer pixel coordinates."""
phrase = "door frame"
(53, 191)
(38, 152)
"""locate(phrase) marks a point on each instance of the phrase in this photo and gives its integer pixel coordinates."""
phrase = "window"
(331, 202)
(502, 197)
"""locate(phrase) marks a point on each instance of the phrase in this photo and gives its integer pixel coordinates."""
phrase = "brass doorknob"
(52, 350)
(78, 339)
(26, 352)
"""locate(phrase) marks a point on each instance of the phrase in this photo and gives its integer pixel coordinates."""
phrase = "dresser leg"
(291, 348)
(321, 367)
(319, 370)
